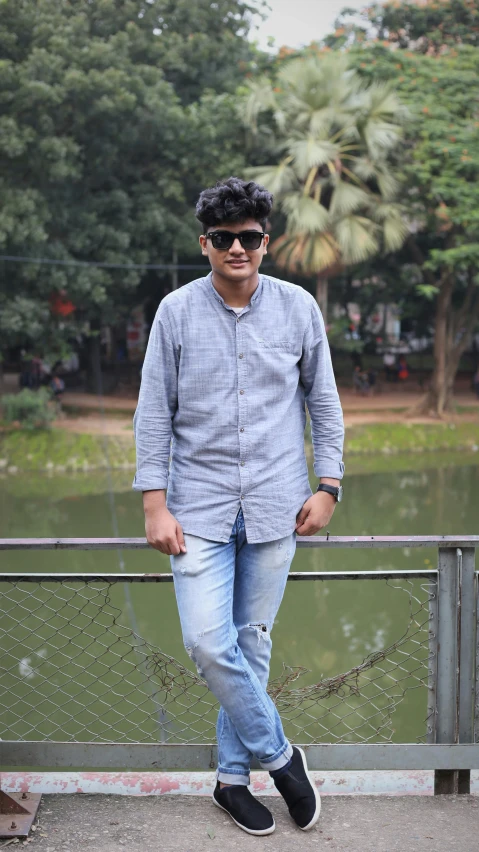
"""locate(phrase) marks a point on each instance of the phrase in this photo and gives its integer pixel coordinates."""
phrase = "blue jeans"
(228, 596)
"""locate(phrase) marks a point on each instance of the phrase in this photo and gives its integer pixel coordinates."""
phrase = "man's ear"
(265, 243)
(203, 243)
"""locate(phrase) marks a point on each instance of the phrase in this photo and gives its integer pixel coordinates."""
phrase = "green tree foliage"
(442, 173)
(425, 26)
(441, 162)
(108, 131)
(335, 137)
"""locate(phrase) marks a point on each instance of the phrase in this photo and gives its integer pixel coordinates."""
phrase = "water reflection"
(327, 627)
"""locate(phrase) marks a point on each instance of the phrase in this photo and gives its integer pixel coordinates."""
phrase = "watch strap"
(330, 489)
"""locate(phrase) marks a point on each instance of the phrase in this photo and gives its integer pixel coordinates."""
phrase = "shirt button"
(241, 391)
(242, 429)
(242, 464)
(241, 354)
(237, 319)
(241, 496)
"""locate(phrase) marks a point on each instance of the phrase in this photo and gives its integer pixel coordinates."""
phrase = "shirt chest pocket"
(277, 344)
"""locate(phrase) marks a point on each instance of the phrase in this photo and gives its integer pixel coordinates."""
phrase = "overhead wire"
(50, 261)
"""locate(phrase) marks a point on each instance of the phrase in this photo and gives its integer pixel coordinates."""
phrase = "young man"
(231, 361)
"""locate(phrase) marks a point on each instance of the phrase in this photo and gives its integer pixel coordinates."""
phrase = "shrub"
(30, 408)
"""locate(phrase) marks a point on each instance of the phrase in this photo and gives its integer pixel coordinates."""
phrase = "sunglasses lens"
(222, 240)
(251, 240)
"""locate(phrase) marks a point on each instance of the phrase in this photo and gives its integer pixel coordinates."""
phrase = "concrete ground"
(101, 823)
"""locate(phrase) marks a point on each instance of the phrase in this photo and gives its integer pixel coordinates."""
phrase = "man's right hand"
(163, 532)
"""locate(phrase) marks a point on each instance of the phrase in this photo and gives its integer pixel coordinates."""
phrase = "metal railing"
(79, 687)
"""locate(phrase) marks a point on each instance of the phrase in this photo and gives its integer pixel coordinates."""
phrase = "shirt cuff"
(329, 468)
(153, 481)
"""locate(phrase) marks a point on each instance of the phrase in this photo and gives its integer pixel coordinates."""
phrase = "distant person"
(389, 363)
(37, 371)
(371, 378)
(57, 387)
(26, 373)
(232, 360)
(360, 381)
(403, 369)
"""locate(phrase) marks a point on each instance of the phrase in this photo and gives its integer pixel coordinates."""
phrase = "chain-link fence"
(73, 670)
(80, 686)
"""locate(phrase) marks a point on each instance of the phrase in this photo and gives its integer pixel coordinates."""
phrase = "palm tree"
(333, 138)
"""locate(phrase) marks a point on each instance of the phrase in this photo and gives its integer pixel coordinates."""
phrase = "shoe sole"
(248, 830)
(316, 794)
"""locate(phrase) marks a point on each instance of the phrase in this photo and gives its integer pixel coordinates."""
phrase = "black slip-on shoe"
(244, 809)
(299, 792)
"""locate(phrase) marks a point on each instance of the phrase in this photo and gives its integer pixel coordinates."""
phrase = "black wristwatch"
(331, 489)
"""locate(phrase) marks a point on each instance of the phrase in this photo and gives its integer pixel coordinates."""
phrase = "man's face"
(235, 263)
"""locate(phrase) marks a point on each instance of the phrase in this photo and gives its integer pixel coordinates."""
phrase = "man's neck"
(237, 294)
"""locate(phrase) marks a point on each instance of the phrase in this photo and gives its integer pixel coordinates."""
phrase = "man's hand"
(163, 532)
(316, 513)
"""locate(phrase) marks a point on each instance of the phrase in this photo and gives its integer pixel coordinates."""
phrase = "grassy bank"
(389, 438)
(58, 451)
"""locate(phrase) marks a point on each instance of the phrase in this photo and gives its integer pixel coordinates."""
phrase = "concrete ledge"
(392, 783)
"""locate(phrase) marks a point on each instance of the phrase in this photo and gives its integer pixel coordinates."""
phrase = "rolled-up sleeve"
(322, 399)
(156, 408)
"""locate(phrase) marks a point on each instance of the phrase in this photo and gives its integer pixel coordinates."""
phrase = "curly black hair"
(234, 200)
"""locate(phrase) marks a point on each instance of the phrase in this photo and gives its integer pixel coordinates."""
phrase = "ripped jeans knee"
(261, 630)
(191, 648)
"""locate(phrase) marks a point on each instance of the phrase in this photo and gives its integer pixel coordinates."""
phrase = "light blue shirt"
(225, 394)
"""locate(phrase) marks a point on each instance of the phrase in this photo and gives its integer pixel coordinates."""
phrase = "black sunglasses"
(223, 240)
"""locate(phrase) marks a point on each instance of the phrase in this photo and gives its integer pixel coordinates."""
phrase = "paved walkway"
(70, 823)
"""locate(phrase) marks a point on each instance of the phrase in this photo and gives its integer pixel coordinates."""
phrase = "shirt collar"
(214, 292)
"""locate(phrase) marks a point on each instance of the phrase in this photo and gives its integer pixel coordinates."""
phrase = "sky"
(298, 22)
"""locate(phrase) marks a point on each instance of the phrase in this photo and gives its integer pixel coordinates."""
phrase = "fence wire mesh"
(476, 696)
(72, 670)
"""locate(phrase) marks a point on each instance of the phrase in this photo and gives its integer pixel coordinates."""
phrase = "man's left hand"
(316, 513)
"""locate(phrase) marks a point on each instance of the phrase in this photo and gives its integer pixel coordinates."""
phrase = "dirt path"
(384, 408)
(95, 424)
(350, 401)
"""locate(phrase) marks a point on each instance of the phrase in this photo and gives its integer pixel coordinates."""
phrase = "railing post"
(476, 702)
(467, 652)
(432, 663)
(447, 662)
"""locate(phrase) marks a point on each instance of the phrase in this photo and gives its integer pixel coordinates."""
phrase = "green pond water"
(72, 668)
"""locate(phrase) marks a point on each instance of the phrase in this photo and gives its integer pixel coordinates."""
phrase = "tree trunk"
(438, 398)
(447, 351)
(95, 383)
(322, 297)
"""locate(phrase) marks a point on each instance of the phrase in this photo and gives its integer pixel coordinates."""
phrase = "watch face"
(340, 494)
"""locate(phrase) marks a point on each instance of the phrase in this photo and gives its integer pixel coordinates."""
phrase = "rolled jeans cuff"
(232, 778)
(277, 762)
